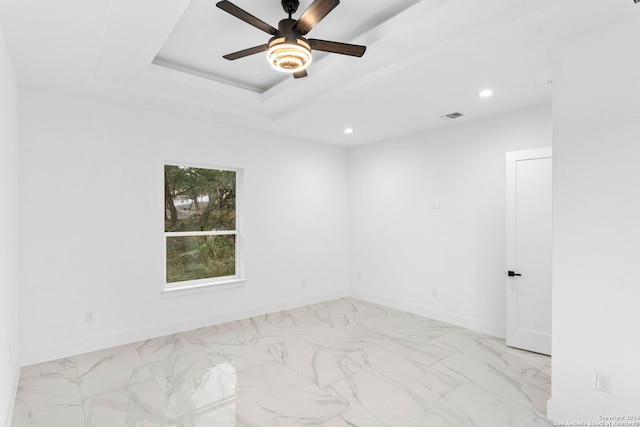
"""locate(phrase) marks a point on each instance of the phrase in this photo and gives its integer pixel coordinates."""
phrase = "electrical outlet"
(603, 383)
(434, 293)
(359, 278)
(89, 316)
(303, 283)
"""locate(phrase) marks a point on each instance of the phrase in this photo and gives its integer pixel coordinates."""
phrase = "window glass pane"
(200, 257)
(198, 199)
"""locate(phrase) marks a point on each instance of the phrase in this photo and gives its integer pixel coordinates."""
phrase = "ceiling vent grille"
(451, 116)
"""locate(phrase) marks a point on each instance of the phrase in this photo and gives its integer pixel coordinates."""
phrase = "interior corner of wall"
(9, 413)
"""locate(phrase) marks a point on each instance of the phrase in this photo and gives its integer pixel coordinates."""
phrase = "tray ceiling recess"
(203, 37)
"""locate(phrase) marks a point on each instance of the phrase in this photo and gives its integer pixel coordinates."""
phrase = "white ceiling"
(425, 58)
(190, 45)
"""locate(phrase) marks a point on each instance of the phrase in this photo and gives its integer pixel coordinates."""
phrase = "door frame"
(512, 159)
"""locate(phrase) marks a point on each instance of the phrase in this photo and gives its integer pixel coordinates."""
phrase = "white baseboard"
(560, 413)
(7, 422)
(46, 354)
(487, 328)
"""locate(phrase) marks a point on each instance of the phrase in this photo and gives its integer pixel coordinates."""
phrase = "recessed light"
(348, 131)
(485, 93)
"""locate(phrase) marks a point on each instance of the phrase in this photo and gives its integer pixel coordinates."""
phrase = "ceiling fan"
(288, 50)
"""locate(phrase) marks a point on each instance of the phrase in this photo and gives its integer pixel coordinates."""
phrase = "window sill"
(200, 288)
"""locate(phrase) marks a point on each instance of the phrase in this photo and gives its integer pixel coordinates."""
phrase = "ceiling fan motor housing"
(285, 27)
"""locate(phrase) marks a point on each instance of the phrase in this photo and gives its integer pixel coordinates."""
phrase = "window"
(200, 225)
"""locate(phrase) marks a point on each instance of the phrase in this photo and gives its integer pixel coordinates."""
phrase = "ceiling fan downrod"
(290, 6)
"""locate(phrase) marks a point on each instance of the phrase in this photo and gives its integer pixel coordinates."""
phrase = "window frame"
(220, 282)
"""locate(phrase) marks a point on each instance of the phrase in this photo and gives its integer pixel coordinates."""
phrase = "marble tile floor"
(335, 364)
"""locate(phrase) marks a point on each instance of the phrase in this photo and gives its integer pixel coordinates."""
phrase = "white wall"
(402, 249)
(92, 223)
(9, 223)
(596, 284)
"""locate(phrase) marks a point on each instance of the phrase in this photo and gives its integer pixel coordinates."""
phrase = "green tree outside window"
(200, 223)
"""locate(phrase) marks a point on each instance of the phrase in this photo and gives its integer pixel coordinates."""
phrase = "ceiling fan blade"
(234, 10)
(300, 74)
(337, 47)
(314, 14)
(246, 52)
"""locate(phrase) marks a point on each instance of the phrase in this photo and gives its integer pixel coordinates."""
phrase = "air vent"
(451, 116)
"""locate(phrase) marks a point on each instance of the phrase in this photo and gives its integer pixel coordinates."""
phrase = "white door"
(529, 250)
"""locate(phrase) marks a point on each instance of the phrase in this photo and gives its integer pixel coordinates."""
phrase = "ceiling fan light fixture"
(289, 55)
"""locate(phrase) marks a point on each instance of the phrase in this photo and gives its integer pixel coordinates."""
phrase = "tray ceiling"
(424, 59)
(204, 33)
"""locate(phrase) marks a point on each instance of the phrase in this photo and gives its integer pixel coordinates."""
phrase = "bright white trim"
(14, 392)
(73, 348)
(70, 349)
(171, 289)
(518, 337)
(559, 413)
(454, 319)
(198, 288)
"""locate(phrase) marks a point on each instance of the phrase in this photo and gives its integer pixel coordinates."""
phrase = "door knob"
(513, 273)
